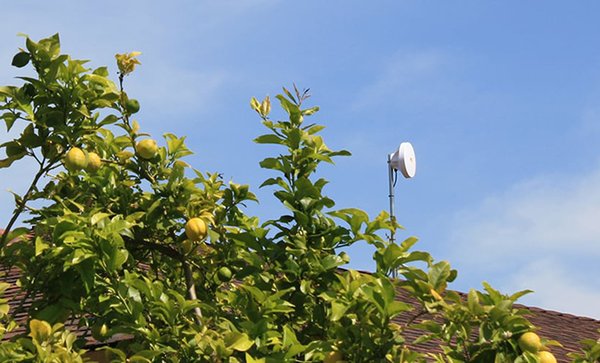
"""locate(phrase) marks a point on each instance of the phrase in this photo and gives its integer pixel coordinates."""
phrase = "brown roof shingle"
(568, 329)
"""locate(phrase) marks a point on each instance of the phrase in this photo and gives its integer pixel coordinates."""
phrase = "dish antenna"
(405, 161)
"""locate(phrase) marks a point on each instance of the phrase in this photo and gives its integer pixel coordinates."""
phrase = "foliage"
(590, 352)
(44, 343)
(105, 244)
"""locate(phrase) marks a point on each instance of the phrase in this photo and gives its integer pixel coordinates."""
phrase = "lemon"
(100, 332)
(132, 106)
(94, 162)
(546, 357)
(147, 148)
(225, 274)
(187, 246)
(195, 229)
(333, 357)
(75, 159)
(530, 342)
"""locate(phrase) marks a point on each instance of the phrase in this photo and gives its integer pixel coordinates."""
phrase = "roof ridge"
(558, 313)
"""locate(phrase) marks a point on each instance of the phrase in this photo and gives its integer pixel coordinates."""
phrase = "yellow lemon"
(546, 357)
(195, 229)
(94, 162)
(75, 159)
(530, 342)
(147, 148)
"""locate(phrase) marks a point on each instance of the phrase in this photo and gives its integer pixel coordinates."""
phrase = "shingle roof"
(568, 329)
(19, 306)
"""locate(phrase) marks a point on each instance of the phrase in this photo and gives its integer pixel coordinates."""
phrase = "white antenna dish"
(404, 160)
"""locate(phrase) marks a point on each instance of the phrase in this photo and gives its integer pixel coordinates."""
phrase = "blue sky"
(501, 101)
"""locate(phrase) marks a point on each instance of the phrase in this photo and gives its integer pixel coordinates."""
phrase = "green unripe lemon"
(187, 246)
(100, 332)
(50, 150)
(195, 229)
(333, 357)
(132, 106)
(147, 148)
(530, 342)
(13, 149)
(75, 159)
(94, 161)
(546, 357)
(224, 274)
(21, 59)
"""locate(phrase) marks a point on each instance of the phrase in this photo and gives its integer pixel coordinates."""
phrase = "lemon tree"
(127, 238)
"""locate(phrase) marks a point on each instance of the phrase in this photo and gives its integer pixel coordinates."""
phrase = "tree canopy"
(123, 235)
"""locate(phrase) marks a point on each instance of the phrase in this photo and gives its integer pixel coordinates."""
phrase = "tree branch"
(191, 288)
(21, 205)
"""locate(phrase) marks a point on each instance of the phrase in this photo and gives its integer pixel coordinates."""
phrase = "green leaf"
(254, 104)
(314, 129)
(270, 181)
(110, 119)
(269, 139)
(473, 302)
(4, 309)
(409, 242)
(494, 294)
(271, 163)
(258, 294)
(338, 310)
(40, 245)
(20, 233)
(238, 341)
(9, 119)
(294, 137)
(289, 336)
(288, 106)
(250, 359)
(517, 295)
(138, 358)
(8, 91)
(96, 218)
(101, 71)
(118, 259)
(5, 163)
(310, 111)
(438, 275)
(51, 45)
(341, 153)
(39, 330)
(390, 255)
(396, 307)
(289, 94)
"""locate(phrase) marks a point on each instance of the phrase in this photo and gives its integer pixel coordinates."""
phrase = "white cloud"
(406, 76)
(543, 234)
(166, 88)
(556, 288)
